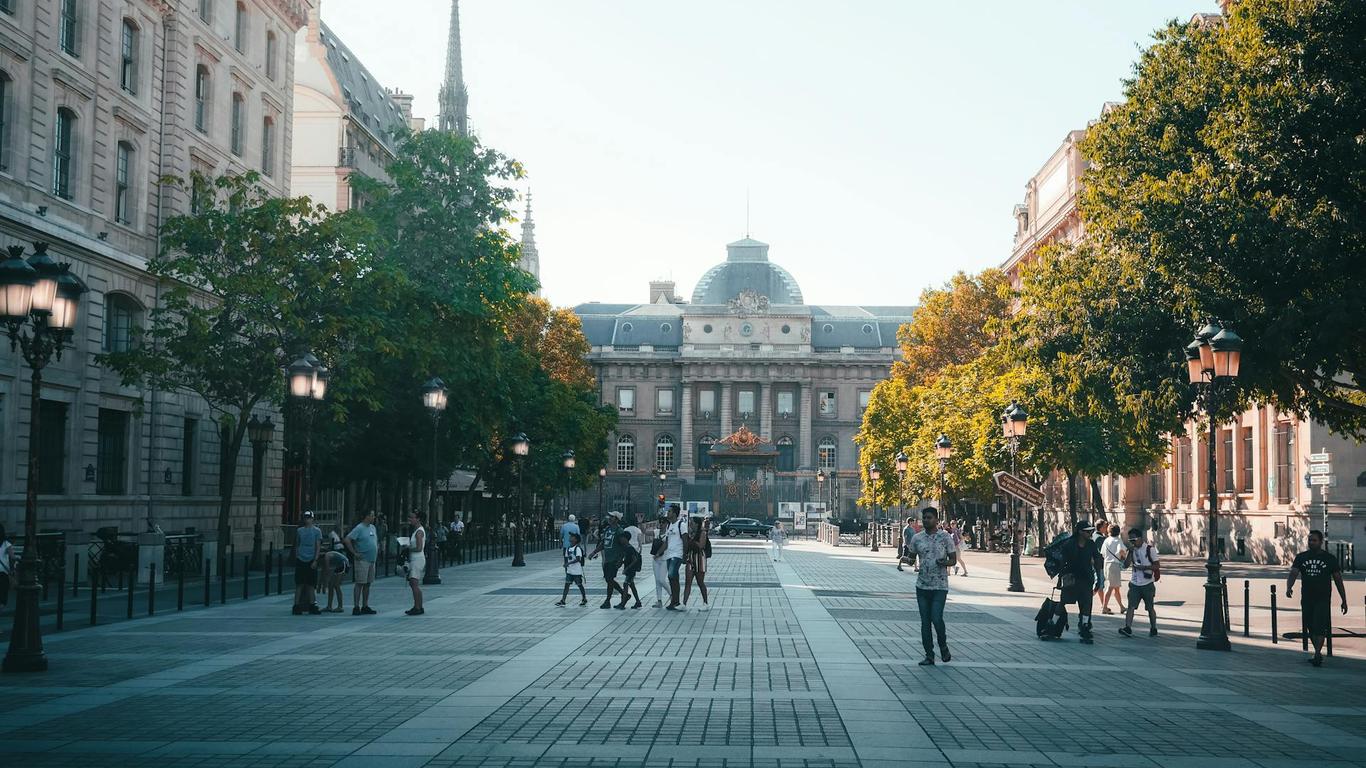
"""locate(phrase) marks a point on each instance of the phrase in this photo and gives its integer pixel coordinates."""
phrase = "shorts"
(304, 574)
(674, 564)
(610, 568)
(1114, 575)
(363, 572)
(630, 577)
(1145, 593)
(573, 578)
(1318, 615)
(417, 565)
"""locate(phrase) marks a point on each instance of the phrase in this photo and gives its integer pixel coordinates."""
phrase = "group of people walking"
(678, 551)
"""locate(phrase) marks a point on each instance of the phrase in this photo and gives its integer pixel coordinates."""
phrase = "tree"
(1230, 184)
(248, 280)
(953, 325)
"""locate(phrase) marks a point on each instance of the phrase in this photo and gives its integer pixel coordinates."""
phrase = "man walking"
(573, 570)
(907, 532)
(659, 558)
(611, 553)
(776, 536)
(1081, 563)
(306, 549)
(1142, 557)
(934, 550)
(363, 544)
(676, 543)
(456, 538)
(1320, 571)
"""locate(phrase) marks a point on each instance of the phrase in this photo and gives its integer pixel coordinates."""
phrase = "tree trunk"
(230, 434)
(1071, 496)
(1096, 497)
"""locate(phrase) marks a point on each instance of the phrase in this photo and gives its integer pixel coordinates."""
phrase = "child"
(632, 563)
(573, 570)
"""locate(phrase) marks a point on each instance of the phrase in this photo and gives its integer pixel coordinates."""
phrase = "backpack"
(1051, 620)
(1054, 561)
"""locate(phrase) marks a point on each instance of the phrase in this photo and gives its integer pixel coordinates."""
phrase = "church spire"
(531, 258)
(453, 96)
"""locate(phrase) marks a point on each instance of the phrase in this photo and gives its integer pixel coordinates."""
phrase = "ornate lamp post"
(259, 431)
(307, 386)
(434, 400)
(521, 448)
(568, 463)
(1212, 362)
(902, 465)
(45, 296)
(943, 451)
(1014, 423)
(602, 477)
(874, 475)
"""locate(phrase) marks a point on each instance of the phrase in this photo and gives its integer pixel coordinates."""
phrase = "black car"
(746, 525)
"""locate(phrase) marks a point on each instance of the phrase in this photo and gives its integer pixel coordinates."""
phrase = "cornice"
(293, 11)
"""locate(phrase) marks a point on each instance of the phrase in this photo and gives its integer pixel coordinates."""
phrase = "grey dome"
(747, 268)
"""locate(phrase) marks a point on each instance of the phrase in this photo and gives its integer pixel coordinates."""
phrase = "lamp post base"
(256, 542)
(1016, 579)
(433, 574)
(26, 641)
(1213, 632)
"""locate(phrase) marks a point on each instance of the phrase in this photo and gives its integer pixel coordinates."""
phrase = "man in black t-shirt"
(611, 555)
(1320, 571)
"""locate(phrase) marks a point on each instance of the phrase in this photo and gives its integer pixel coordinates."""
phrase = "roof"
(746, 268)
(369, 103)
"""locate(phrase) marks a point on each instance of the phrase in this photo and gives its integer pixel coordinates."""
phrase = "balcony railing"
(346, 157)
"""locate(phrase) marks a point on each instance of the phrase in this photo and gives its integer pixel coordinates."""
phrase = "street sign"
(1320, 469)
(1320, 458)
(1323, 480)
(1019, 488)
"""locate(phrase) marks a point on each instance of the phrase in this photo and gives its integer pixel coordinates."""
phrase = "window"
(201, 99)
(122, 198)
(239, 108)
(7, 6)
(67, 30)
(1247, 460)
(664, 402)
(61, 153)
(664, 453)
(826, 453)
(1279, 530)
(51, 447)
(270, 55)
(785, 401)
(120, 322)
(128, 69)
(268, 146)
(746, 402)
(626, 400)
(827, 404)
(188, 456)
(239, 39)
(5, 92)
(206, 10)
(704, 447)
(1226, 448)
(111, 453)
(706, 402)
(864, 395)
(1183, 470)
(787, 455)
(1155, 491)
(626, 454)
(1285, 462)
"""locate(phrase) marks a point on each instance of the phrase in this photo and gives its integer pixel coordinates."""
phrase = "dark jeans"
(931, 605)
(1082, 596)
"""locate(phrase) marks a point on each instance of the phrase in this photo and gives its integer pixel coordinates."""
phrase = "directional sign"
(1320, 458)
(1320, 469)
(1323, 480)
(1019, 488)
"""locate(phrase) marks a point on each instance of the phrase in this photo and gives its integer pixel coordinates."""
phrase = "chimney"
(404, 102)
(662, 290)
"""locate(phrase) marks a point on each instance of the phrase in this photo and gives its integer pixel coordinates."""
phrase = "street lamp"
(434, 400)
(45, 296)
(903, 463)
(568, 463)
(521, 448)
(1212, 362)
(259, 431)
(1014, 423)
(307, 386)
(602, 477)
(874, 475)
(943, 451)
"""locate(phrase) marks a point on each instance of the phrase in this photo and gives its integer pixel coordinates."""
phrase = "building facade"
(746, 351)
(100, 100)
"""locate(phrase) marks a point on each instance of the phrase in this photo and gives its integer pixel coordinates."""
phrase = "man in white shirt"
(573, 570)
(1112, 549)
(1143, 582)
(676, 543)
(777, 537)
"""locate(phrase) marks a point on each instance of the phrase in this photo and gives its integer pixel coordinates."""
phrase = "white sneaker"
(705, 607)
(658, 604)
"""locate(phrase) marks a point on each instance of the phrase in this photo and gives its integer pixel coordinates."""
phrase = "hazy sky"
(882, 142)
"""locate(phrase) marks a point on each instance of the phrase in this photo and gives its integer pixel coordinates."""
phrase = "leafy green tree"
(953, 325)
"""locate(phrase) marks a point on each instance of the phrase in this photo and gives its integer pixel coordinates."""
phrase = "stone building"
(100, 99)
(746, 351)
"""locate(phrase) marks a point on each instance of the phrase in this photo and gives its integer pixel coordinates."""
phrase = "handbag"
(657, 547)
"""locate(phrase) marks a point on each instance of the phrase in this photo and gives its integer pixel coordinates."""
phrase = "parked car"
(746, 525)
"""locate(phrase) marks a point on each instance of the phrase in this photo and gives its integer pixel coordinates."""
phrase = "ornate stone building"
(98, 100)
(745, 351)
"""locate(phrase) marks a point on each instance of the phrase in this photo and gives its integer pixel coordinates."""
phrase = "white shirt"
(635, 533)
(572, 565)
(1142, 557)
(674, 538)
(457, 525)
(1113, 546)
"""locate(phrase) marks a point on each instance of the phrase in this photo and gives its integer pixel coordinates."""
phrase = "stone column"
(725, 410)
(765, 411)
(685, 453)
(807, 451)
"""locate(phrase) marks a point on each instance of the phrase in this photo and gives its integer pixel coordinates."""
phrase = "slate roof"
(370, 105)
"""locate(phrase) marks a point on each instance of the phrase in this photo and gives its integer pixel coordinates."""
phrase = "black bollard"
(280, 573)
(270, 558)
(151, 589)
(223, 581)
(246, 574)
(180, 589)
(61, 597)
(1329, 649)
(1247, 609)
(46, 582)
(207, 565)
(1275, 632)
(75, 576)
(1224, 583)
(132, 583)
(94, 596)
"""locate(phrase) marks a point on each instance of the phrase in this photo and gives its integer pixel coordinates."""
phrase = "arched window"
(239, 114)
(787, 455)
(270, 55)
(268, 146)
(121, 315)
(68, 31)
(626, 453)
(128, 66)
(827, 454)
(703, 451)
(63, 148)
(201, 98)
(123, 176)
(664, 453)
(239, 39)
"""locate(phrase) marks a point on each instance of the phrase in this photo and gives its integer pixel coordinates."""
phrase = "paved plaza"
(811, 661)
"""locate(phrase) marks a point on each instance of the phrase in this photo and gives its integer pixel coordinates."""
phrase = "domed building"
(745, 352)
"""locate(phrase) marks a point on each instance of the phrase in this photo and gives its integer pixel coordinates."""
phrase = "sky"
(878, 145)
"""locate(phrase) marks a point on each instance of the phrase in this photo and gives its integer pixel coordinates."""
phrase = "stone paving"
(806, 662)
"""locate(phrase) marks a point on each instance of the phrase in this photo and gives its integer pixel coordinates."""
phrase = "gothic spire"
(531, 258)
(453, 96)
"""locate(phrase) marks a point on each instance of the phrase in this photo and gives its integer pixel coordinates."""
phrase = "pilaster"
(807, 449)
(685, 453)
(726, 410)
(765, 411)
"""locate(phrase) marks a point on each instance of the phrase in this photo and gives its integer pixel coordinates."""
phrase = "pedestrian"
(363, 544)
(573, 570)
(307, 546)
(1113, 552)
(634, 532)
(631, 562)
(611, 555)
(1099, 537)
(417, 560)
(332, 565)
(658, 555)
(6, 567)
(695, 557)
(956, 531)
(456, 538)
(586, 532)
(570, 528)
(931, 553)
(676, 545)
(1081, 563)
(907, 532)
(1147, 569)
(1320, 571)
(777, 537)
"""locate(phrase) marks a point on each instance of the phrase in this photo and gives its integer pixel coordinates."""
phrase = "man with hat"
(307, 540)
(611, 555)
(1082, 561)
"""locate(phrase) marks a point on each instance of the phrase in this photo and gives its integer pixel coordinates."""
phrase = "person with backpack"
(1142, 558)
(631, 562)
(1081, 563)
(573, 570)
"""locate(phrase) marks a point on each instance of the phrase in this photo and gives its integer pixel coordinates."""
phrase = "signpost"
(1019, 488)
(1321, 474)
(1324, 480)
